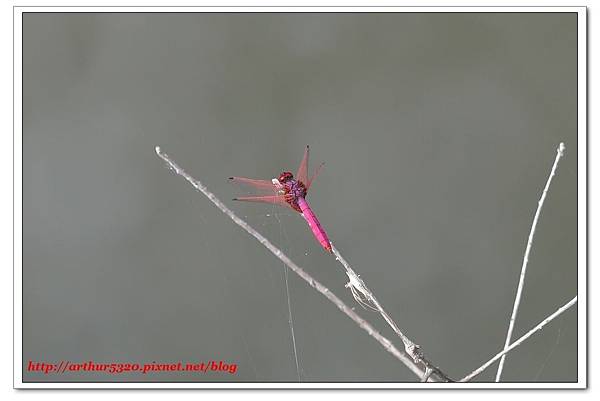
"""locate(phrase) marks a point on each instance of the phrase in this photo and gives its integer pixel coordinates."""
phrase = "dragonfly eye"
(285, 177)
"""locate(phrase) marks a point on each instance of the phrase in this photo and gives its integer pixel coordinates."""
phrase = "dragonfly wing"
(263, 191)
(315, 174)
(258, 187)
(277, 199)
(302, 174)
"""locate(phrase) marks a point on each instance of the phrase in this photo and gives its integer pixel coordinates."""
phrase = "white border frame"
(581, 196)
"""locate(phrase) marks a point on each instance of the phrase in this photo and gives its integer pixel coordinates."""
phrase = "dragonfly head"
(285, 177)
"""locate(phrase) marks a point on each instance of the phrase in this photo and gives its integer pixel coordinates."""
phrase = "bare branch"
(363, 324)
(519, 341)
(513, 317)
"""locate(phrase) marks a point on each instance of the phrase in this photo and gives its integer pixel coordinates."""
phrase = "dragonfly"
(288, 191)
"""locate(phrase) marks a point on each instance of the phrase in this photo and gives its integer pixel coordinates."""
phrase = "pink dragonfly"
(290, 192)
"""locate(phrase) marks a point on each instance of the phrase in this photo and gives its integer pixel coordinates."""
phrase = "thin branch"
(519, 341)
(427, 375)
(513, 317)
(366, 298)
(363, 324)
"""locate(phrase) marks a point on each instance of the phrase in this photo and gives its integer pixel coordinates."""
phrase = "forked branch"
(420, 366)
(519, 341)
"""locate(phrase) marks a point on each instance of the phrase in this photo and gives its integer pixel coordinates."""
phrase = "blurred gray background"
(438, 132)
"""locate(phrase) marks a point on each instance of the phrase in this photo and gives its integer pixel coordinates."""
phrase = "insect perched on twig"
(288, 191)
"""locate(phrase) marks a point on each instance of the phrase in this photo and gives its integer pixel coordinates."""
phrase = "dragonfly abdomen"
(314, 224)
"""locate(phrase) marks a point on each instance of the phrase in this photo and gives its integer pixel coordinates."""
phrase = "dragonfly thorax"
(295, 189)
(292, 189)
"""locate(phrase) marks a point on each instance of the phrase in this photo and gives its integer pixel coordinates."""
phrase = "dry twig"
(519, 341)
(367, 299)
(387, 344)
(513, 317)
